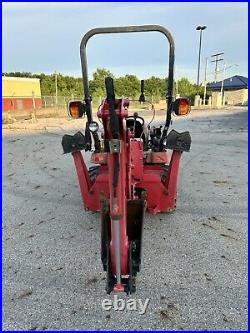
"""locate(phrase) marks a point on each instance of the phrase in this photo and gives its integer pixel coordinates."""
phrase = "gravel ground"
(194, 268)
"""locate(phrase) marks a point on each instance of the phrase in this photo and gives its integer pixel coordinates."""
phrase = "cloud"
(45, 36)
(25, 6)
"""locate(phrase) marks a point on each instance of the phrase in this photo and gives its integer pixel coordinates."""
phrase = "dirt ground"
(194, 265)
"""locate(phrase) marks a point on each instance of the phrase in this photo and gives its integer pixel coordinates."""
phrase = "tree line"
(128, 85)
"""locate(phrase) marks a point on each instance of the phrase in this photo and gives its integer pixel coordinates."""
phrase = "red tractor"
(135, 166)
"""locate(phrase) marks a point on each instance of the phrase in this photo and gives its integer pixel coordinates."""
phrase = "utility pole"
(222, 84)
(33, 113)
(216, 63)
(223, 79)
(33, 100)
(199, 28)
(205, 83)
(56, 87)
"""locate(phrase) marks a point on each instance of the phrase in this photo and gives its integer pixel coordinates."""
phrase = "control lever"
(111, 101)
(142, 97)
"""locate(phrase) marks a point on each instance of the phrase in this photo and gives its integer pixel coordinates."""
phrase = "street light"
(205, 83)
(199, 28)
(223, 79)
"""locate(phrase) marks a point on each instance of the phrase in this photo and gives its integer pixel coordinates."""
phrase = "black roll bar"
(133, 28)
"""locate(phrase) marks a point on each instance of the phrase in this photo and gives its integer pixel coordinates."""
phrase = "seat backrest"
(138, 127)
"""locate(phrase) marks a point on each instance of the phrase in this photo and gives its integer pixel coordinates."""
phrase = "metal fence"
(54, 101)
(62, 101)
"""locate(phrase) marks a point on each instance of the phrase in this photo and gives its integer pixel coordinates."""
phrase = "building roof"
(20, 79)
(231, 83)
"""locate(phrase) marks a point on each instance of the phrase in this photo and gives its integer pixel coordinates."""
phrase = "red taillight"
(75, 109)
(181, 106)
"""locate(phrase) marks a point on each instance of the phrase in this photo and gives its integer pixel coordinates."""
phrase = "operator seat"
(135, 125)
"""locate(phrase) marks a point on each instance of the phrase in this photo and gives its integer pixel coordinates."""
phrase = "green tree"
(188, 89)
(155, 86)
(97, 85)
(128, 86)
(185, 87)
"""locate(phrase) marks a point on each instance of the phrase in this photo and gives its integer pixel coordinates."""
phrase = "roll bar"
(139, 28)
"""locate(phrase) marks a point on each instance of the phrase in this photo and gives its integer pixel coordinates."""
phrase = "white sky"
(44, 37)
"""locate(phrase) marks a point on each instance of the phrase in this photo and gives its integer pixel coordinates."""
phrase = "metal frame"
(126, 181)
(126, 206)
(126, 29)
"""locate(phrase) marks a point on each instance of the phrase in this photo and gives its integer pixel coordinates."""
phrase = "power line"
(216, 56)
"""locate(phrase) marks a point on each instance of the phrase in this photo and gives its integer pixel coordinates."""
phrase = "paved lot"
(194, 268)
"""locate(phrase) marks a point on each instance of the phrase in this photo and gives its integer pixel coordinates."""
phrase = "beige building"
(234, 97)
(20, 93)
(234, 91)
